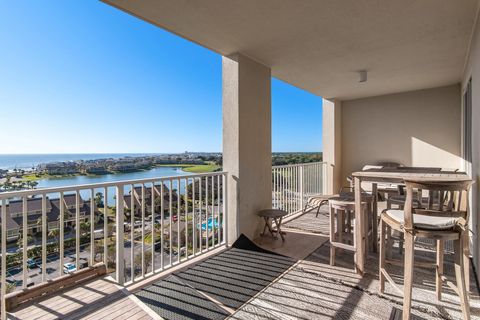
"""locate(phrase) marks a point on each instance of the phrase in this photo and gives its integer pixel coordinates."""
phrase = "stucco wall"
(417, 128)
(247, 147)
(332, 143)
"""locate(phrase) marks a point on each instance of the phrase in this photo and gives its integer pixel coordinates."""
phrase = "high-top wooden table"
(388, 175)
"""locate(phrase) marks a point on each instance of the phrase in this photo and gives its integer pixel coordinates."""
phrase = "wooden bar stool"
(447, 220)
(341, 214)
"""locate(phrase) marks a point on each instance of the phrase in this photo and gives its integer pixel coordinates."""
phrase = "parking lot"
(53, 269)
(15, 274)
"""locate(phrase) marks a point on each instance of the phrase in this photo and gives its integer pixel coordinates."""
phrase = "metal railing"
(136, 228)
(293, 184)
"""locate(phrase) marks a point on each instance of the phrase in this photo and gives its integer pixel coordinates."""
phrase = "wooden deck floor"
(97, 299)
(310, 289)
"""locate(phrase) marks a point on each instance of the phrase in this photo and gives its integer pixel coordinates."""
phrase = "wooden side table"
(273, 215)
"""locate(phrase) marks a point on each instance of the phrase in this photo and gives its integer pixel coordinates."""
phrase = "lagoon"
(89, 179)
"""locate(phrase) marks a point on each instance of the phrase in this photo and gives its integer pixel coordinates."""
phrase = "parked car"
(31, 263)
(69, 267)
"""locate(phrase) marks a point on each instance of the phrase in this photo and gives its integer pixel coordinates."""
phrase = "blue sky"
(83, 77)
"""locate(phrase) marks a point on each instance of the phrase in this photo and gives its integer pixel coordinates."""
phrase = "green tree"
(147, 261)
(20, 240)
(84, 228)
(98, 199)
(54, 233)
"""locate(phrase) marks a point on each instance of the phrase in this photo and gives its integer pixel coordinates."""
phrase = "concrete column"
(332, 143)
(247, 146)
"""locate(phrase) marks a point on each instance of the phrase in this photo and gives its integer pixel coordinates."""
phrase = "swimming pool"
(211, 224)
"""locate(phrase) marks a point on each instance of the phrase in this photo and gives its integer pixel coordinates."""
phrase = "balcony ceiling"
(319, 45)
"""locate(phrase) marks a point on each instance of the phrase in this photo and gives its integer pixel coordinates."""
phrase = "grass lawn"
(202, 168)
(148, 237)
(195, 168)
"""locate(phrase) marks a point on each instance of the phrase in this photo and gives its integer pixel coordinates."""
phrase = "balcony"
(400, 81)
(189, 271)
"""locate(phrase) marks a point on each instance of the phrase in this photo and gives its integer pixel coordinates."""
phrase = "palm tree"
(33, 184)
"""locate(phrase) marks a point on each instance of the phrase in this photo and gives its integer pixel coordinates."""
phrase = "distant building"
(34, 214)
(137, 200)
(95, 169)
(59, 168)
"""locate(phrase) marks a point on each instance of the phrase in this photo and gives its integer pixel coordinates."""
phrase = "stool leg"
(366, 243)
(439, 271)
(375, 229)
(466, 259)
(400, 244)
(460, 276)
(401, 240)
(408, 277)
(265, 227)
(332, 236)
(278, 223)
(382, 256)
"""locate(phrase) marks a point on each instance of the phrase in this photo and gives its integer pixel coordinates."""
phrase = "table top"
(272, 213)
(398, 175)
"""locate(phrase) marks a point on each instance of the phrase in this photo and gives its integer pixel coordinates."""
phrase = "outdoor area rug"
(424, 301)
(232, 278)
(305, 294)
(172, 299)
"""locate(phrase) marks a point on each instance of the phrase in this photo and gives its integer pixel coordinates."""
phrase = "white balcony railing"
(293, 184)
(136, 228)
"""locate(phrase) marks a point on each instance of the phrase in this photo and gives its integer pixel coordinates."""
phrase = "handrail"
(298, 164)
(99, 185)
(155, 223)
(292, 185)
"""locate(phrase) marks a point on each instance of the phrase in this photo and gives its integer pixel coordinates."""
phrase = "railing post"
(301, 187)
(120, 237)
(225, 218)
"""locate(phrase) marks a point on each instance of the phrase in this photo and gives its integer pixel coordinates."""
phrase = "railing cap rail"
(298, 165)
(43, 191)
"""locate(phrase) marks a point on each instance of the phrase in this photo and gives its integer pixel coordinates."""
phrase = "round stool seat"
(272, 213)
